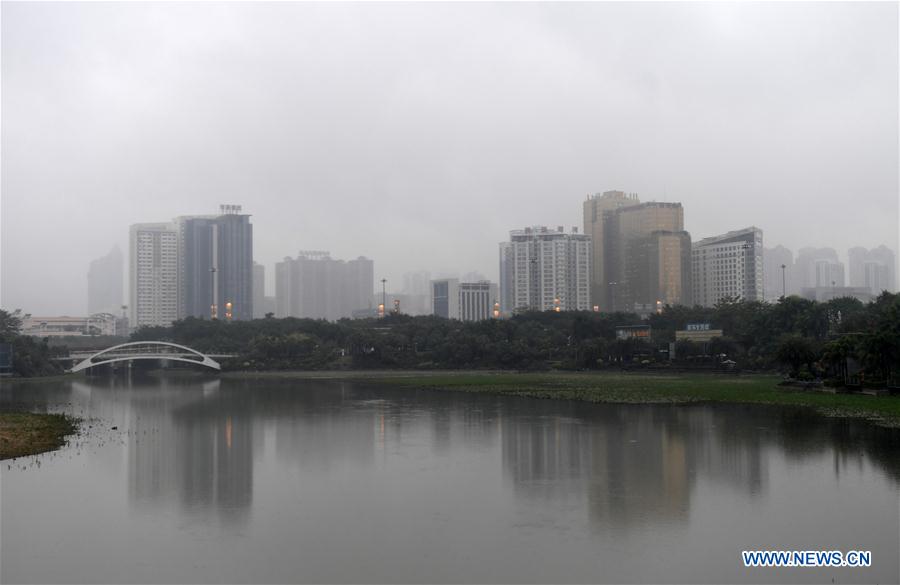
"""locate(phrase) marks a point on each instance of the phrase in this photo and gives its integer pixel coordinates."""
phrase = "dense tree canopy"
(31, 356)
(795, 333)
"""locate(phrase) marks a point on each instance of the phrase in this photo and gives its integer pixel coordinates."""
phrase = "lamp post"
(383, 297)
(212, 292)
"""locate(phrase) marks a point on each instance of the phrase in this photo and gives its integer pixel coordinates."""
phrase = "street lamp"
(783, 286)
(213, 312)
(383, 296)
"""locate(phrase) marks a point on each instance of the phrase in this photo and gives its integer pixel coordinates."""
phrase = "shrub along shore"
(624, 388)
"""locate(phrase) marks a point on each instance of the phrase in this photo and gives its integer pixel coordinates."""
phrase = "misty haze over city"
(419, 135)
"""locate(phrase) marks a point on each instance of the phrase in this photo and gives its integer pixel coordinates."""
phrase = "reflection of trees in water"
(850, 441)
(195, 445)
(320, 424)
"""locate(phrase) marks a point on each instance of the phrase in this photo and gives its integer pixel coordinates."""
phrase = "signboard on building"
(698, 335)
(635, 331)
(697, 327)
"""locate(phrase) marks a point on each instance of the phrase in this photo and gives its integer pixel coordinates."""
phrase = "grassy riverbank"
(640, 388)
(23, 433)
(626, 388)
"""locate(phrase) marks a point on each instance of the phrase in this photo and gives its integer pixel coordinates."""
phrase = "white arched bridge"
(146, 350)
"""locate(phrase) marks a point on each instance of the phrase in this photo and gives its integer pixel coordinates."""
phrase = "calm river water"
(236, 481)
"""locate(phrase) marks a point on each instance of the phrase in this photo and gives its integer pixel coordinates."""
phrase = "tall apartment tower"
(543, 269)
(647, 259)
(728, 266)
(315, 286)
(216, 269)
(105, 283)
(778, 281)
(466, 301)
(153, 274)
(874, 269)
(594, 208)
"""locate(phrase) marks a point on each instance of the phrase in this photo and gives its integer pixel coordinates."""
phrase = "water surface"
(208, 480)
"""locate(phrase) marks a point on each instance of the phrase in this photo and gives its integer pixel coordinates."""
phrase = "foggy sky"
(420, 134)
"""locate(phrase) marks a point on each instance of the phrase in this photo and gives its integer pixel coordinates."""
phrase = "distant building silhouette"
(105, 283)
(543, 269)
(594, 208)
(315, 286)
(416, 293)
(464, 301)
(647, 257)
(729, 265)
(262, 304)
(819, 267)
(778, 283)
(874, 269)
(827, 293)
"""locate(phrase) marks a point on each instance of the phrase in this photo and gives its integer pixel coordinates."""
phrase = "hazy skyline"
(418, 135)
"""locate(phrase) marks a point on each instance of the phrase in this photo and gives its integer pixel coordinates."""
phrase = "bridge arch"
(146, 350)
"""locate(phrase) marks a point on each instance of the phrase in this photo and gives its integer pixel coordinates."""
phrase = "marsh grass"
(23, 433)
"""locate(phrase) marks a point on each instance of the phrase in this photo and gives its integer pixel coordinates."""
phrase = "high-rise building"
(315, 286)
(827, 273)
(594, 208)
(466, 301)
(105, 283)
(416, 282)
(778, 281)
(416, 293)
(259, 291)
(876, 277)
(728, 266)
(647, 260)
(818, 267)
(543, 269)
(875, 269)
(216, 269)
(153, 274)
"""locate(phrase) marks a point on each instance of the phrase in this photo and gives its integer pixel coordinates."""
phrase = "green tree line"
(803, 336)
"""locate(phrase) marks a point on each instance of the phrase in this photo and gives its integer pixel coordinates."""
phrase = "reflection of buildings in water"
(632, 464)
(456, 421)
(319, 427)
(640, 472)
(726, 446)
(193, 445)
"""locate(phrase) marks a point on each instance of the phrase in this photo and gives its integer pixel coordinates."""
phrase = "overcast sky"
(420, 134)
